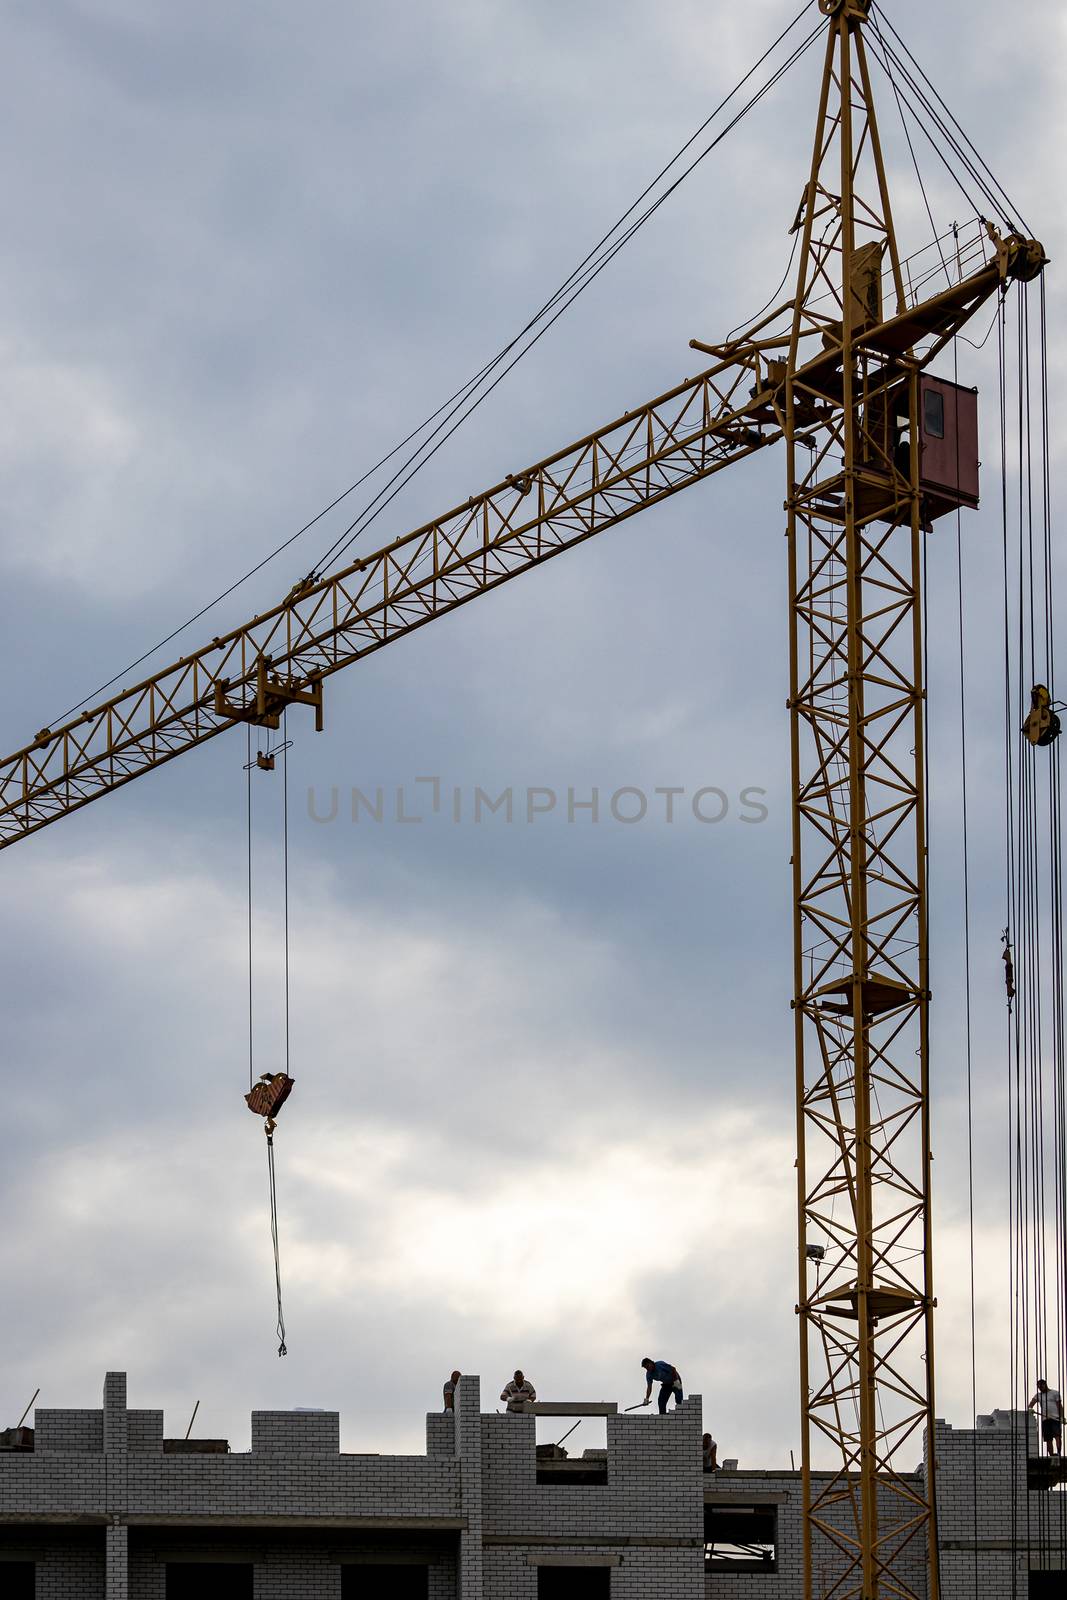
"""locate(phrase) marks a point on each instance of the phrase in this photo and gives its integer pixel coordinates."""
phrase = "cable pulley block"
(855, 10)
(1042, 725)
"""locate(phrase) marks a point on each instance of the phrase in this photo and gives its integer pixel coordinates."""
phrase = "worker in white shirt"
(1050, 1407)
(711, 1454)
(517, 1392)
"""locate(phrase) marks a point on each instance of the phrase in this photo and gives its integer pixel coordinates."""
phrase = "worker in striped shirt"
(517, 1392)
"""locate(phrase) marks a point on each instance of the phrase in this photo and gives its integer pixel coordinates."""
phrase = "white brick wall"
(478, 1482)
(66, 1574)
(440, 1434)
(469, 1445)
(145, 1431)
(648, 1516)
(116, 1538)
(147, 1576)
(654, 1486)
(665, 1574)
(281, 1571)
(984, 1505)
(981, 1477)
(785, 1491)
(69, 1562)
(72, 1432)
(290, 1573)
(291, 1433)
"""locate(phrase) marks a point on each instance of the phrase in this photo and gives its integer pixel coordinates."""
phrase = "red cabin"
(948, 432)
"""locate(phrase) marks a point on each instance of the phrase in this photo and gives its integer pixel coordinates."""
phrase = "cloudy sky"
(543, 1111)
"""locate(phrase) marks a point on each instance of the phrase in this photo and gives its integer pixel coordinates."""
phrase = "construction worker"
(669, 1380)
(517, 1392)
(1050, 1406)
(711, 1454)
(450, 1391)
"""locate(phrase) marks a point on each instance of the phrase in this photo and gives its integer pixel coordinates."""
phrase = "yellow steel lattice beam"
(635, 461)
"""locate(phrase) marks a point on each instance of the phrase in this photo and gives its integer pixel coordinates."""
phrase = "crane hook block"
(267, 1097)
(1042, 725)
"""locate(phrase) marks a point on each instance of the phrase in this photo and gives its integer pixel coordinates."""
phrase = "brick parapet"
(296, 1433)
(982, 1480)
(116, 1416)
(145, 1432)
(68, 1432)
(52, 1484)
(472, 1504)
(653, 1488)
(440, 1433)
(469, 1444)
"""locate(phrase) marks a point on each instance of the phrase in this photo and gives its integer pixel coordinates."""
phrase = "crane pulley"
(1042, 725)
(1009, 967)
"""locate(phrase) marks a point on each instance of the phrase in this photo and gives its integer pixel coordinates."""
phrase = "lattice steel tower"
(855, 508)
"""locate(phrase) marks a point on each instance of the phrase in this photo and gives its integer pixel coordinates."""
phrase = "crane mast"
(839, 376)
(858, 506)
(861, 978)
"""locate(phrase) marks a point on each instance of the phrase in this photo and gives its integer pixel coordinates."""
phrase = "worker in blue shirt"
(668, 1378)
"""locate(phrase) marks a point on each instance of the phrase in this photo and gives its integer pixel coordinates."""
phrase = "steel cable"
(250, 765)
(582, 275)
(979, 161)
(280, 1325)
(424, 453)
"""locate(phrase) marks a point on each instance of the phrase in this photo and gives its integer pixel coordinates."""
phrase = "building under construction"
(98, 1505)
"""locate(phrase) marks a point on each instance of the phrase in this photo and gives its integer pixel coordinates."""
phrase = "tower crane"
(877, 448)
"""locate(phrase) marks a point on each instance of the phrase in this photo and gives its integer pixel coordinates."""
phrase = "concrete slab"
(571, 1408)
